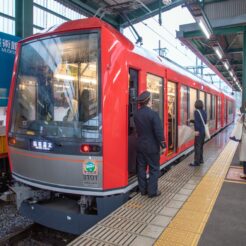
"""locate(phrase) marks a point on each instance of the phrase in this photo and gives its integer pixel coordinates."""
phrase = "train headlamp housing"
(89, 148)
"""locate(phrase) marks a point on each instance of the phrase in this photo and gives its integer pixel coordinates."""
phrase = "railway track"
(35, 234)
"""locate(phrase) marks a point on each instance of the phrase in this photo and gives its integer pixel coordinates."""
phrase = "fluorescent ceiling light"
(204, 28)
(218, 52)
(226, 65)
(231, 73)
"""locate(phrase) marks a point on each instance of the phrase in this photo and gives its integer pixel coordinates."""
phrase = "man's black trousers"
(143, 160)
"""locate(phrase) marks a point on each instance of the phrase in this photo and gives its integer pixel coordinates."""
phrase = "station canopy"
(220, 44)
(121, 13)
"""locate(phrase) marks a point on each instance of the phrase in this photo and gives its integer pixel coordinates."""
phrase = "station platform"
(198, 206)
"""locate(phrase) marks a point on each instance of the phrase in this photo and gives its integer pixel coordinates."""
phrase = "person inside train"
(199, 132)
(84, 105)
(150, 138)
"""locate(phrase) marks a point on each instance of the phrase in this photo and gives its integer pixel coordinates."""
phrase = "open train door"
(172, 117)
(132, 138)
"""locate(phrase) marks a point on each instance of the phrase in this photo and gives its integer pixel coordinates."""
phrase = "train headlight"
(87, 148)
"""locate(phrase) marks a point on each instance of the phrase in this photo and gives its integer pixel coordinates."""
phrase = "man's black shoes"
(144, 193)
(194, 165)
(154, 195)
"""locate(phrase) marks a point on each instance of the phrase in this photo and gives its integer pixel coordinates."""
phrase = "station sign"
(8, 45)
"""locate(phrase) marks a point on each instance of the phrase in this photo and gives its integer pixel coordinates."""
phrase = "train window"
(219, 113)
(212, 123)
(155, 87)
(193, 98)
(208, 106)
(202, 97)
(184, 105)
(225, 111)
(59, 75)
(212, 114)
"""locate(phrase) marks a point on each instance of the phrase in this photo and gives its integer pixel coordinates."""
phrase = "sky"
(166, 33)
(152, 32)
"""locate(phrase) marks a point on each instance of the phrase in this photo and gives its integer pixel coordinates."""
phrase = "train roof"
(174, 66)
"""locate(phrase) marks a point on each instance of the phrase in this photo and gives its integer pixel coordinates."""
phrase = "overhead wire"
(149, 11)
(163, 38)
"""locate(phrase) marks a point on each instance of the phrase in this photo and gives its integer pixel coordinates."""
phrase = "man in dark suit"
(150, 139)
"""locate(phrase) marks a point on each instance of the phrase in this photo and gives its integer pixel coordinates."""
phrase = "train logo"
(89, 168)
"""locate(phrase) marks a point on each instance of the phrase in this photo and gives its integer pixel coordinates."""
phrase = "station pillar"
(244, 68)
(24, 18)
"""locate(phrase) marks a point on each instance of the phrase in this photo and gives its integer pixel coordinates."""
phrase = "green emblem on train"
(90, 167)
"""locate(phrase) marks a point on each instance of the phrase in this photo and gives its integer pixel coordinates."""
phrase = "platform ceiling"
(118, 12)
(228, 21)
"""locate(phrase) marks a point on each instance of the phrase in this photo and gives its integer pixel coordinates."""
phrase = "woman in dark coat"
(199, 132)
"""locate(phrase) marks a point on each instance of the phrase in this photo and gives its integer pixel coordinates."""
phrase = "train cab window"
(192, 100)
(155, 87)
(59, 75)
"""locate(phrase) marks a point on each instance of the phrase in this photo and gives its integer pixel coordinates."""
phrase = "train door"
(133, 92)
(219, 113)
(172, 117)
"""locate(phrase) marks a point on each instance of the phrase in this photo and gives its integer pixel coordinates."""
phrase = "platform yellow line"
(187, 226)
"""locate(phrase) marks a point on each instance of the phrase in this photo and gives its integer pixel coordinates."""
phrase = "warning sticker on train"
(90, 168)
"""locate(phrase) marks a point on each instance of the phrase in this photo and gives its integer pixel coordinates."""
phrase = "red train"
(70, 122)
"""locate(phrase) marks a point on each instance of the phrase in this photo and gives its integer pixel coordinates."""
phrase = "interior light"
(64, 76)
(204, 28)
(88, 80)
(231, 73)
(218, 51)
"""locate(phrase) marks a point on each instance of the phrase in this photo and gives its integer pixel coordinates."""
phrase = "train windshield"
(57, 88)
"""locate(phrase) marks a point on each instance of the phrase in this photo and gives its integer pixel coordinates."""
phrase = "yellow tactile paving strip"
(187, 226)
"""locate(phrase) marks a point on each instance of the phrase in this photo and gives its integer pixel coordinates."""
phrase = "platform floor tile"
(161, 220)
(169, 211)
(152, 231)
(143, 241)
(172, 236)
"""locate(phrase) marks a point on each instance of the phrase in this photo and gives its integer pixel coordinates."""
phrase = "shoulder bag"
(207, 133)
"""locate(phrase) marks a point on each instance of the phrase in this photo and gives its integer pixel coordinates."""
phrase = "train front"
(55, 131)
